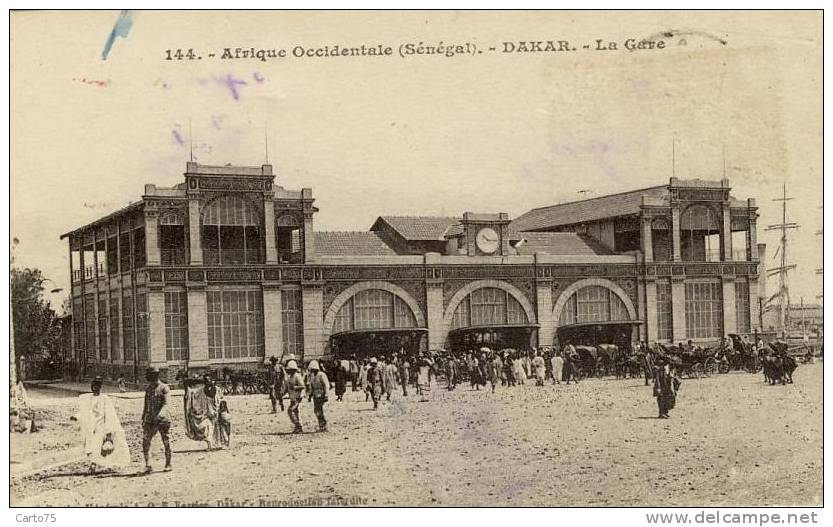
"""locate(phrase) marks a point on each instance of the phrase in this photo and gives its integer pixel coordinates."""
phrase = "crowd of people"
(207, 415)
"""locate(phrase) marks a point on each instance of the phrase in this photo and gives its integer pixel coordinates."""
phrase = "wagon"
(693, 364)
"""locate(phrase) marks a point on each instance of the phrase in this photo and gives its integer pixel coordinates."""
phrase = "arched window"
(593, 303)
(699, 234)
(374, 309)
(231, 232)
(488, 306)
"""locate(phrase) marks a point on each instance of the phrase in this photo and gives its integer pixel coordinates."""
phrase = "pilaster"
(678, 331)
(194, 242)
(730, 324)
(197, 325)
(675, 232)
(272, 322)
(312, 297)
(543, 302)
(156, 328)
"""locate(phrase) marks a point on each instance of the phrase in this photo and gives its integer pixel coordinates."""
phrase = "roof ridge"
(594, 198)
(420, 217)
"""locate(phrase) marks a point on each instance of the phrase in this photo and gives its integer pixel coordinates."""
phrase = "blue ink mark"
(232, 83)
(120, 29)
(178, 137)
(258, 77)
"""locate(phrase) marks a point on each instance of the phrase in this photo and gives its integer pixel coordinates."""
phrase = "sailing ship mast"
(783, 294)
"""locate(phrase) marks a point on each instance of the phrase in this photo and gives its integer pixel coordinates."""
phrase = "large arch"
(603, 282)
(467, 289)
(342, 298)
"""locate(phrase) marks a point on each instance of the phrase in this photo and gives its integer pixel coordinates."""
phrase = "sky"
(738, 93)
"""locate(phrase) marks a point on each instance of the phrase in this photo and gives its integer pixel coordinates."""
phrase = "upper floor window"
(699, 234)
(172, 238)
(288, 229)
(231, 232)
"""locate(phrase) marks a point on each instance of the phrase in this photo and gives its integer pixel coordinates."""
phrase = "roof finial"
(266, 139)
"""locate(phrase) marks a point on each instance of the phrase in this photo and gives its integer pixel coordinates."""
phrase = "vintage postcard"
(417, 258)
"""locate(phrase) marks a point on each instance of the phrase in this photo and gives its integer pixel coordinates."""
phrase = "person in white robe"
(105, 443)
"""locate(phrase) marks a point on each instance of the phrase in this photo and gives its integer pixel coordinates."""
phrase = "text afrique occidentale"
(330, 51)
(412, 49)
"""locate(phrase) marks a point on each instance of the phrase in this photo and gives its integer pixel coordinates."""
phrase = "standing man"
(374, 382)
(539, 368)
(354, 372)
(404, 373)
(156, 417)
(319, 385)
(293, 385)
(557, 367)
(648, 364)
(666, 385)
(389, 375)
(276, 376)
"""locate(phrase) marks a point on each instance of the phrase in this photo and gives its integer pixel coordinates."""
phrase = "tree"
(36, 329)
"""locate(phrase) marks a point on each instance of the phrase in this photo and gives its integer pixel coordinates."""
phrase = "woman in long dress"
(105, 443)
(424, 377)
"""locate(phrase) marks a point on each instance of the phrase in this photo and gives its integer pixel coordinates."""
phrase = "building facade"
(226, 270)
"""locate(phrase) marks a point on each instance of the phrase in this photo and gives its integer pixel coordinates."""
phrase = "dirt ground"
(731, 441)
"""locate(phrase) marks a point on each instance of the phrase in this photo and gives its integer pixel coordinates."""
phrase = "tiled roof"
(350, 243)
(454, 230)
(611, 206)
(419, 228)
(560, 243)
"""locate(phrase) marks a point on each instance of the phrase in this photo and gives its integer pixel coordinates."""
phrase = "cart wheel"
(709, 368)
(697, 370)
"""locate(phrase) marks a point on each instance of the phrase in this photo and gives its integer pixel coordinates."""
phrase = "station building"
(226, 269)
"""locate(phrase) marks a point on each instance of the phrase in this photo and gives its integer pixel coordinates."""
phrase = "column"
(678, 331)
(309, 236)
(543, 300)
(651, 329)
(152, 252)
(157, 349)
(726, 233)
(752, 232)
(434, 316)
(730, 322)
(269, 231)
(754, 305)
(313, 303)
(197, 326)
(675, 233)
(647, 240)
(195, 246)
(272, 321)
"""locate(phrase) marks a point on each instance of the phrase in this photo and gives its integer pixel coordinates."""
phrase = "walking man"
(374, 382)
(156, 417)
(404, 373)
(666, 385)
(293, 385)
(557, 367)
(275, 384)
(319, 385)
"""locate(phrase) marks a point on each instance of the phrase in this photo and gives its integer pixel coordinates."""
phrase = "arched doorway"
(595, 311)
(490, 313)
(374, 319)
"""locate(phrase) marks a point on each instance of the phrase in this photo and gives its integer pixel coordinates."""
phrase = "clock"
(487, 240)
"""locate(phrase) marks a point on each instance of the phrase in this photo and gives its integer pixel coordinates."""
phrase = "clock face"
(487, 240)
